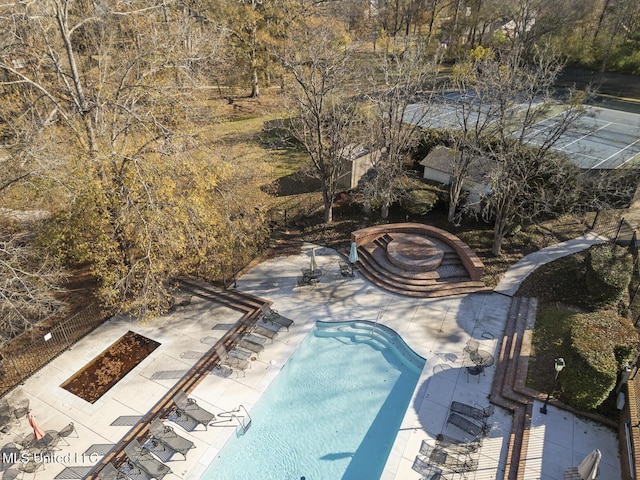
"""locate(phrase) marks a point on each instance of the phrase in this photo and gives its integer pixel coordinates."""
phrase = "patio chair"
(66, 431)
(10, 454)
(143, 460)
(22, 409)
(467, 425)
(189, 408)
(472, 347)
(167, 437)
(265, 332)
(451, 443)
(230, 361)
(8, 421)
(458, 463)
(472, 412)
(250, 345)
(109, 472)
(30, 466)
(346, 269)
(46, 443)
(428, 471)
(272, 316)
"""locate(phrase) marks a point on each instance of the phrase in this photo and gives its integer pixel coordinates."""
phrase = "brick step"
(509, 369)
(422, 291)
(376, 258)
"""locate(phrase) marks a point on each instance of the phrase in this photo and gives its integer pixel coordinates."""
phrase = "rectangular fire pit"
(111, 366)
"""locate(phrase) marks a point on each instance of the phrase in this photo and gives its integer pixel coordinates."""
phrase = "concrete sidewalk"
(513, 277)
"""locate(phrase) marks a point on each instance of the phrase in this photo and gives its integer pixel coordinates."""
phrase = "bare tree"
(396, 118)
(527, 178)
(325, 119)
(474, 122)
(29, 280)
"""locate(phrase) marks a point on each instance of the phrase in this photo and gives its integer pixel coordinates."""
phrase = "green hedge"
(608, 272)
(599, 345)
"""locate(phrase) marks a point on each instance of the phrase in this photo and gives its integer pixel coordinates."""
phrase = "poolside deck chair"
(143, 460)
(472, 412)
(457, 463)
(446, 441)
(265, 332)
(109, 472)
(272, 316)
(167, 437)
(454, 448)
(188, 407)
(467, 425)
(428, 471)
(250, 345)
(231, 361)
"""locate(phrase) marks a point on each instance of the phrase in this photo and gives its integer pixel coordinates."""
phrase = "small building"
(438, 167)
(357, 161)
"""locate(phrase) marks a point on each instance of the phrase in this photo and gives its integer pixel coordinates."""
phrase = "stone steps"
(450, 278)
(511, 371)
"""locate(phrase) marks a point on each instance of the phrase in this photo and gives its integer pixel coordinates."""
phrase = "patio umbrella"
(588, 469)
(353, 254)
(313, 265)
(38, 433)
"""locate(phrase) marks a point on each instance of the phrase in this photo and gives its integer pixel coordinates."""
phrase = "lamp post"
(558, 365)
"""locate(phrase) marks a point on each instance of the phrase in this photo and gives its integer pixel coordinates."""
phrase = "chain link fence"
(17, 366)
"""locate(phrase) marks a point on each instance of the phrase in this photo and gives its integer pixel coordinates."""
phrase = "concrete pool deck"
(437, 329)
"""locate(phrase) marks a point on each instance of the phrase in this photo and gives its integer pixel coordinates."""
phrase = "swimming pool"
(333, 412)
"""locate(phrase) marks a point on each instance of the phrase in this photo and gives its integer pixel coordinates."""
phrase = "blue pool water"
(332, 413)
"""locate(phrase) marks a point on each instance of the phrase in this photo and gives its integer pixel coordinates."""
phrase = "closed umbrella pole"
(588, 469)
(313, 265)
(353, 254)
(38, 433)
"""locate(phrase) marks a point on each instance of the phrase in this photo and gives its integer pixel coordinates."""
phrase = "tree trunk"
(454, 199)
(328, 212)
(255, 87)
(499, 232)
(384, 210)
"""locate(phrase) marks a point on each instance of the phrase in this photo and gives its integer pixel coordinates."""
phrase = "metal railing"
(17, 366)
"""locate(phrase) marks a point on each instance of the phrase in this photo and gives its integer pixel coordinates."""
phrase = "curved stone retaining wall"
(470, 260)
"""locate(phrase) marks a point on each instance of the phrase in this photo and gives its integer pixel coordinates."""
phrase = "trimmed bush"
(600, 343)
(608, 272)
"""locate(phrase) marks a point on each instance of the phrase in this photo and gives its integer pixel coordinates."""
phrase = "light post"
(558, 365)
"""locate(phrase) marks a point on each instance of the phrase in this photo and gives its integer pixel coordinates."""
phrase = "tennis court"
(602, 139)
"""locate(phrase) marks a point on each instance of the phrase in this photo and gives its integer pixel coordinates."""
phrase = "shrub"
(599, 345)
(608, 272)
(419, 202)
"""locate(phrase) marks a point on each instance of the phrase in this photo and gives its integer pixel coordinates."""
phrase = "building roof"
(441, 158)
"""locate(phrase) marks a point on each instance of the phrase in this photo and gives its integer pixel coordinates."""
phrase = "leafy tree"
(144, 200)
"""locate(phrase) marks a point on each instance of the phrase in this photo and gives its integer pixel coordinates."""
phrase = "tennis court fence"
(611, 224)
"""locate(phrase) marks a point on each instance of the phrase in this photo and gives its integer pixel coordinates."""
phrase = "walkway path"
(512, 279)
